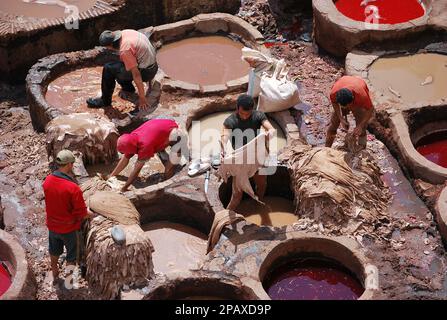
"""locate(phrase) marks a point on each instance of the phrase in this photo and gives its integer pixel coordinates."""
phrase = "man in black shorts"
(242, 127)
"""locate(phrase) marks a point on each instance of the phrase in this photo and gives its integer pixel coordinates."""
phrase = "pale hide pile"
(111, 266)
(89, 134)
(341, 192)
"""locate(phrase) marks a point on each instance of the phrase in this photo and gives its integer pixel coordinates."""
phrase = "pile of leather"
(91, 135)
(112, 265)
(340, 191)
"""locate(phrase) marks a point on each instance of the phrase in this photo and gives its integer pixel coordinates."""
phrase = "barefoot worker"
(66, 209)
(350, 94)
(138, 63)
(152, 137)
(241, 127)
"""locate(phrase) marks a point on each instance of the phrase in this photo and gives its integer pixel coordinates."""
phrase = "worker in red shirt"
(350, 94)
(152, 137)
(66, 210)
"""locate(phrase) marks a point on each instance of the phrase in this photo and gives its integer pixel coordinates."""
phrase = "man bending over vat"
(350, 94)
(138, 63)
(153, 136)
(66, 209)
(241, 127)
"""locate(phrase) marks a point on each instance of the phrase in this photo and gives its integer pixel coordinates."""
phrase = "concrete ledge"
(441, 213)
(23, 286)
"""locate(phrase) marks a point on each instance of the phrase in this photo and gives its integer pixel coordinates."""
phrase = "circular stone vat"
(5, 277)
(278, 209)
(434, 147)
(342, 25)
(312, 278)
(69, 92)
(46, 9)
(177, 222)
(389, 12)
(177, 247)
(204, 135)
(208, 60)
(201, 289)
(16, 280)
(411, 79)
(315, 268)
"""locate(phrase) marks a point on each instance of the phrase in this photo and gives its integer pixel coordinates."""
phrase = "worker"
(66, 210)
(241, 127)
(137, 62)
(350, 94)
(152, 137)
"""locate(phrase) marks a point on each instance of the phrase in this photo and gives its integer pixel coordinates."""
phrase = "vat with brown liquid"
(70, 91)
(178, 248)
(204, 135)
(209, 60)
(276, 212)
(415, 78)
(44, 8)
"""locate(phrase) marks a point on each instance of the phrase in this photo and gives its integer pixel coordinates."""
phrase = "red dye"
(313, 279)
(434, 148)
(5, 280)
(388, 11)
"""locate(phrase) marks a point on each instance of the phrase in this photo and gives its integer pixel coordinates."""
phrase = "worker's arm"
(225, 135)
(332, 129)
(79, 210)
(135, 172)
(119, 167)
(343, 119)
(136, 74)
(361, 127)
(270, 132)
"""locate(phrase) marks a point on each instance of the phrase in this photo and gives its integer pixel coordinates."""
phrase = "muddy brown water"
(70, 91)
(44, 8)
(417, 78)
(276, 212)
(207, 60)
(204, 135)
(178, 248)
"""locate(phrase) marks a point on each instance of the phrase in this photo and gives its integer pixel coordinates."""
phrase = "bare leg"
(236, 198)
(55, 267)
(261, 185)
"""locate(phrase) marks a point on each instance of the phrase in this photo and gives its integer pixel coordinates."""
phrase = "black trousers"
(116, 71)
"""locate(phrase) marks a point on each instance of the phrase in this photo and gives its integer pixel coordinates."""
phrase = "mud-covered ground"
(410, 256)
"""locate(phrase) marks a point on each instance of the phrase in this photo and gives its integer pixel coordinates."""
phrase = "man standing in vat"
(350, 94)
(152, 137)
(66, 209)
(138, 63)
(245, 122)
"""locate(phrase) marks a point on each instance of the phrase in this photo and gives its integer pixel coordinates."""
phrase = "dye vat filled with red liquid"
(434, 148)
(311, 278)
(381, 11)
(5, 279)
